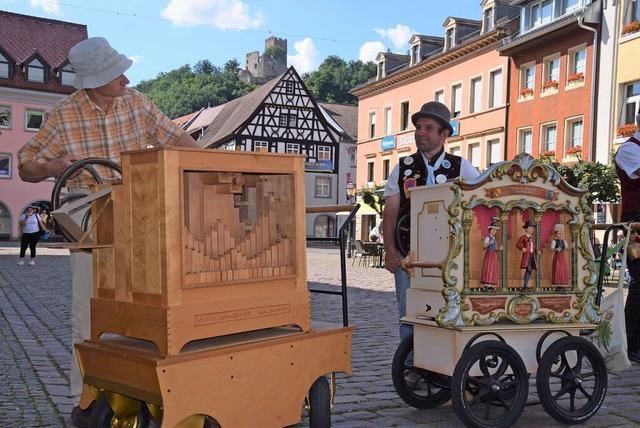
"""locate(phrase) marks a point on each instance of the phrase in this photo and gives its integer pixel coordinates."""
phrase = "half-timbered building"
(282, 116)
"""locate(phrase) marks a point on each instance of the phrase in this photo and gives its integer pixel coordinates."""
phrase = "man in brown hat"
(430, 164)
(527, 244)
(101, 119)
(628, 170)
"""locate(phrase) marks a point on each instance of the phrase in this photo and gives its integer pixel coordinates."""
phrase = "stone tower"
(272, 63)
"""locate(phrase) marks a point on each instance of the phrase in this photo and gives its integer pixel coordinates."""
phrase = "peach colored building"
(462, 70)
(34, 74)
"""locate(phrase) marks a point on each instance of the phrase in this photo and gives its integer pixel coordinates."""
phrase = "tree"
(373, 197)
(275, 52)
(335, 78)
(185, 90)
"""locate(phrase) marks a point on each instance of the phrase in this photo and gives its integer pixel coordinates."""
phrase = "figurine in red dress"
(489, 277)
(559, 267)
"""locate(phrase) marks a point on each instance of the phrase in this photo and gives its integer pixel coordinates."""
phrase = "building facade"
(34, 74)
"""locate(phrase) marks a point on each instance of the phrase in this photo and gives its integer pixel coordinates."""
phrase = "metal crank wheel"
(58, 199)
(103, 416)
(320, 404)
(403, 230)
(490, 385)
(418, 388)
(571, 380)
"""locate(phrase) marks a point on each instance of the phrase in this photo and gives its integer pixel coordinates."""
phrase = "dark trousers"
(29, 240)
(632, 306)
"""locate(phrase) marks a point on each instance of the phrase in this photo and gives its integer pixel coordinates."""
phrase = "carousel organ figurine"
(489, 277)
(559, 267)
(527, 245)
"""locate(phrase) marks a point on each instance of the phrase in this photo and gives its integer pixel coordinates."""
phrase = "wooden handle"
(409, 264)
(328, 209)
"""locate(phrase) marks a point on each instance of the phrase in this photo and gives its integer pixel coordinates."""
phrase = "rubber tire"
(546, 371)
(403, 228)
(102, 415)
(320, 404)
(512, 399)
(418, 398)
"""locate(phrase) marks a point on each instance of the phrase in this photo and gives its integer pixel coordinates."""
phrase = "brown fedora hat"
(434, 110)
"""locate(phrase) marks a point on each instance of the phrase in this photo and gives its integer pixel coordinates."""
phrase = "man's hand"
(35, 172)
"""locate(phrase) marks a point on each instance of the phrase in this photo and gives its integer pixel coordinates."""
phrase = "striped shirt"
(77, 126)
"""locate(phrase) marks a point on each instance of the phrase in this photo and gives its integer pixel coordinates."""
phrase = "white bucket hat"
(96, 63)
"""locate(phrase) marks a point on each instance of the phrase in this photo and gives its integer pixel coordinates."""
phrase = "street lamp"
(351, 193)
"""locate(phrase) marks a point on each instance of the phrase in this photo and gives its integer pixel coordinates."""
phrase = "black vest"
(630, 190)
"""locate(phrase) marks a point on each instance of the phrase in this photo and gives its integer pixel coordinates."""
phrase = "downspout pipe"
(592, 143)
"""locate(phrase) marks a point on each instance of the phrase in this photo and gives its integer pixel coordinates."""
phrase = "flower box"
(626, 130)
(576, 77)
(551, 84)
(633, 27)
(526, 92)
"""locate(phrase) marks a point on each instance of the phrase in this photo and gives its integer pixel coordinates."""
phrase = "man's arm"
(35, 172)
(392, 257)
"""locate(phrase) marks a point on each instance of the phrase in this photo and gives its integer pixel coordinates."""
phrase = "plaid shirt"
(77, 126)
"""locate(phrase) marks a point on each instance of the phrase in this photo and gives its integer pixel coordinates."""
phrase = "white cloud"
(49, 6)
(370, 50)
(233, 14)
(399, 35)
(137, 59)
(306, 58)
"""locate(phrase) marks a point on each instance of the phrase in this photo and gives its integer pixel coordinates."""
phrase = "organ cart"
(200, 311)
(477, 343)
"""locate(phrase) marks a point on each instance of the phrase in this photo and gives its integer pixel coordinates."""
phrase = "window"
(488, 20)
(635, 16)
(451, 42)
(455, 151)
(290, 88)
(577, 61)
(525, 139)
(415, 50)
(549, 135)
(261, 146)
(551, 70)
(7, 123)
(284, 120)
(292, 148)
(4, 66)
(540, 13)
(33, 119)
(5, 165)
(493, 155)
(474, 154)
(631, 102)
(386, 169)
(439, 96)
(372, 124)
(370, 171)
(323, 187)
(574, 131)
(67, 75)
(404, 115)
(387, 121)
(570, 5)
(324, 153)
(293, 121)
(288, 120)
(495, 88)
(528, 77)
(380, 69)
(456, 96)
(476, 95)
(35, 71)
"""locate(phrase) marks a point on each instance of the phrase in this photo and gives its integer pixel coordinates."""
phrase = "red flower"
(575, 77)
(526, 91)
(631, 28)
(551, 84)
(574, 150)
(626, 130)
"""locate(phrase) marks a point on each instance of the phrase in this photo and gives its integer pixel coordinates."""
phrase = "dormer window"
(67, 75)
(540, 13)
(488, 19)
(4, 66)
(415, 54)
(451, 41)
(35, 71)
(381, 73)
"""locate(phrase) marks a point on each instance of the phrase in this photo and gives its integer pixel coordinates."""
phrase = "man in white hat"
(102, 119)
(628, 170)
(430, 164)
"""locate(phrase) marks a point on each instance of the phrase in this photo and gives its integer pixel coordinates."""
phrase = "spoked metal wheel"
(403, 229)
(418, 388)
(490, 385)
(320, 404)
(60, 198)
(103, 416)
(571, 380)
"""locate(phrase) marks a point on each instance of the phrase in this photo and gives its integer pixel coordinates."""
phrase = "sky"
(163, 35)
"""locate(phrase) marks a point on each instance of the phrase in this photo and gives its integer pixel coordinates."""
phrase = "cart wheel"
(104, 417)
(403, 229)
(490, 385)
(418, 388)
(58, 200)
(571, 380)
(320, 404)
